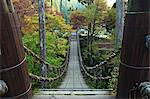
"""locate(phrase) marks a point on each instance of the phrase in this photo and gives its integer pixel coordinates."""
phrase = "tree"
(41, 12)
(77, 19)
(110, 19)
(56, 22)
(86, 2)
(61, 4)
(95, 14)
(25, 9)
(119, 21)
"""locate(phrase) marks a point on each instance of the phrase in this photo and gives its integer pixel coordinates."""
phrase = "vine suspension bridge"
(73, 82)
(134, 70)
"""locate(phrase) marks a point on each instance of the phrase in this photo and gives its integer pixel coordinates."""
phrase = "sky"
(110, 2)
(75, 4)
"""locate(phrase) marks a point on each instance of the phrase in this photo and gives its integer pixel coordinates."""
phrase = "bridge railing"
(59, 71)
(96, 72)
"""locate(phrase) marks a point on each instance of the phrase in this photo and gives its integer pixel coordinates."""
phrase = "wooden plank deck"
(74, 78)
(73, 97)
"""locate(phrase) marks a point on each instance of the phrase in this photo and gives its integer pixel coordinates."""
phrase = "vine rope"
(112, 56)
(86, 68)
(62, 68)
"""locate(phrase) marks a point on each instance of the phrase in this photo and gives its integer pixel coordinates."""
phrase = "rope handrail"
(51, 67)
(113, 55)
(93, 77)
(49, 79)
(84, 68)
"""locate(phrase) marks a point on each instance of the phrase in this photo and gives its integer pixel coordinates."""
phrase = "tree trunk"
(61, 6)
(4, 6)
(10, 5)
(119, 22)
(43, 69)
(91, 37)
(88, 42)
(91, 42)
(51, 3)
(134, 66)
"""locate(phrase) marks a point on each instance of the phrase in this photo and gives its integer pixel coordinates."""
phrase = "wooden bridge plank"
(73, 97)
(74, 78)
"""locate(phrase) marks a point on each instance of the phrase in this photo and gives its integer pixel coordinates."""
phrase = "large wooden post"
(134, 66)
(13, 69)
(0, 35)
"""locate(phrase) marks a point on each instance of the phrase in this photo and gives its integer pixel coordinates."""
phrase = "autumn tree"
(95, 13)
(110, 19)
(56, 22)
(91, 18)
(77, 19)
(25, 10)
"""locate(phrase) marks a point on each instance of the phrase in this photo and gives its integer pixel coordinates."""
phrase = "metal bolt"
(148, 41)
(145, 89)
(3, 88)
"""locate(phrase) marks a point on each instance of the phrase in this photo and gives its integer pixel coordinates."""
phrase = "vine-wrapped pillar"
(134, 65)
(13, 69)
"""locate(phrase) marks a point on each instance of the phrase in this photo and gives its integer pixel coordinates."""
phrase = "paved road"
(74, 78)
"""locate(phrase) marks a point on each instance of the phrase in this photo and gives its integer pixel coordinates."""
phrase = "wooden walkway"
(74, 86)
(73, 97)
(74, 78)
